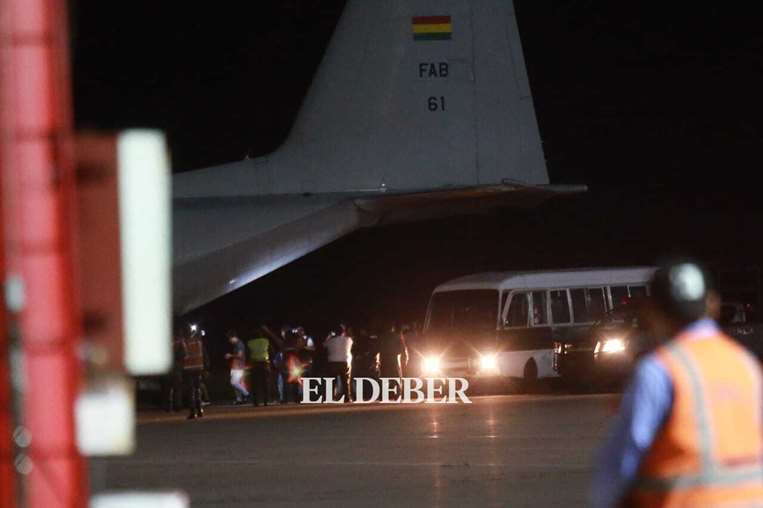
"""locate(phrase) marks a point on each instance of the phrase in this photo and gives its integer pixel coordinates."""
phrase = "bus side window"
(579, 307)
(596, 302)
(619, 295)
(560, 307)
(518, 311)
(539, 317)
(502, 307)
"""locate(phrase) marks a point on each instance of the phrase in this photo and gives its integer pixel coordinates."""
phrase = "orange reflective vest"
(194, 355)
(710, 450)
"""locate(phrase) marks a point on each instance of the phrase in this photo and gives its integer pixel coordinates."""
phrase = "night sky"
(655, 106)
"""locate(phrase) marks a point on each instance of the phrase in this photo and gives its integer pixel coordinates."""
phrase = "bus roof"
(549, 278)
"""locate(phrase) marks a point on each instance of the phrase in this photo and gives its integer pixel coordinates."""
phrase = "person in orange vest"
(193, 366)
(689, 431)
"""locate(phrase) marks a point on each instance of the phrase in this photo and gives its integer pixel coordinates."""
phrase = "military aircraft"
(419, 109)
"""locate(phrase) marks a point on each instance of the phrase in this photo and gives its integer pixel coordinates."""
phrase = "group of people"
(267, 367)
(275, 364)
(688, 432)
(278, 362)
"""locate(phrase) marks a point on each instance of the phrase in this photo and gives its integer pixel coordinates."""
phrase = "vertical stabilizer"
(411, 95)
(419, 94)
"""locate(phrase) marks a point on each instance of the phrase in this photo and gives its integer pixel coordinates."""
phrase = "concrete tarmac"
(511, 450)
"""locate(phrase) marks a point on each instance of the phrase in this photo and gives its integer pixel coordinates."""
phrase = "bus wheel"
(530, 376)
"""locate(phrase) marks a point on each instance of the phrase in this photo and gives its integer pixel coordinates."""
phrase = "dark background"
(655, 106)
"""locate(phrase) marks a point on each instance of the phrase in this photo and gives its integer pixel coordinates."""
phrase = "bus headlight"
(430, 365)
(489, 362)
(610, 345)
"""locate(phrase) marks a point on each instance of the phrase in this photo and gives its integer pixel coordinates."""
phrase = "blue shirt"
(644, 408)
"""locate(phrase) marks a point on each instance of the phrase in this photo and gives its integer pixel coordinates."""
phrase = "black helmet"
(680, 289)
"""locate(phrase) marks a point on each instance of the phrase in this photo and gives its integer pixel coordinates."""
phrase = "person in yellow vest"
(259, 354)
(689, 431)
(193, 366)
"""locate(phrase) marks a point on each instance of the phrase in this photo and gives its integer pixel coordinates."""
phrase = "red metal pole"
(7, 490)
(37, 165)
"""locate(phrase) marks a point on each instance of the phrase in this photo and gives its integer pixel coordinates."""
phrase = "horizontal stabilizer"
(234, 250)
(414, 206)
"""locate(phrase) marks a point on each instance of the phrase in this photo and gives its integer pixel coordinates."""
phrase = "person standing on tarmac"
(293, 347)
(362, 355)
(278, 368)
(306, 350)
(393, 353)
(689, 430)
(193, 366)
(237, 365)
(259, 353)
(339, 348)
(205, 374)
(319, 367)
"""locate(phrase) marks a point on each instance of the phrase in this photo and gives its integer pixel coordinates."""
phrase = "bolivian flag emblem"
(432, 28)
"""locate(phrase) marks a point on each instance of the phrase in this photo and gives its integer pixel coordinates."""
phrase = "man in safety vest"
(193, 366)
(259, 353)
(690, 427)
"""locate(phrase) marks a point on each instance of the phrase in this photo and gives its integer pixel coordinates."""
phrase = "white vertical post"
(145, 237)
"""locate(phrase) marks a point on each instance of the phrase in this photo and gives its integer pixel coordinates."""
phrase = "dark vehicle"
(606, 356)
(741, 322)
(620, 340)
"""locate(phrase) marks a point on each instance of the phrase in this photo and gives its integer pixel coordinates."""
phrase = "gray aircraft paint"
(392, 129)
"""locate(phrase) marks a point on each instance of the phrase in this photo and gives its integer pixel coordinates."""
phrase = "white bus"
(504, 324)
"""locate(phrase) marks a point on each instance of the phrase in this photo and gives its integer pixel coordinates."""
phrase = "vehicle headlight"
(431, 364)
(489, 362)
(611, 345)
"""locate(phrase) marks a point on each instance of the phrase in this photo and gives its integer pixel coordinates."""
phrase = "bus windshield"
(474, 310)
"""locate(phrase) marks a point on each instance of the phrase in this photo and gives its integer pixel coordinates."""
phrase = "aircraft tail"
(420, 109)
(411, 95)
